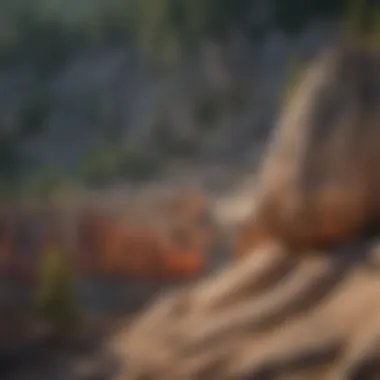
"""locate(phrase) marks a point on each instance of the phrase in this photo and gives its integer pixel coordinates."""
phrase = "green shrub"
(56, 298)
(137, 165)
(46, 182)
(361, 19)
(99, 166)
(206, 112)
(35, 112)
(170, 145)
(103, 165)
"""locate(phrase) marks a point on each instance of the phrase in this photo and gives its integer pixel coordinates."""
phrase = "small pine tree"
(56, 292)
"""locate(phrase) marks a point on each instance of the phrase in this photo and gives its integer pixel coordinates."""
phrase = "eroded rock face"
(290, 305)
(161, 237)
(317, 184)
(171, 239)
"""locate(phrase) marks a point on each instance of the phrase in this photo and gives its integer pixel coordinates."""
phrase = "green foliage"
(206, 112)
(137, 165)
(154, 30)
(12, 158)
(352, 20)
(8, 190)
(56, 297)
(170, 144)
(34, 113)
(166, 28)
(101, 166)
(209, 109)
(46, 33)
(361, 20)
(45, 182)
(374, 37)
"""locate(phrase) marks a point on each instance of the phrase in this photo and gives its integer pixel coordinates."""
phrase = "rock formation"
(302, 300)
(169, 238)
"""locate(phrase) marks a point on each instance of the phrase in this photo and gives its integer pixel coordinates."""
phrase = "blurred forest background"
(96, 93)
